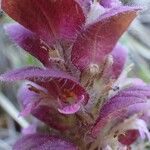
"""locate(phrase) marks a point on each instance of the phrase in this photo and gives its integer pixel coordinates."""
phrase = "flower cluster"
(81, 91)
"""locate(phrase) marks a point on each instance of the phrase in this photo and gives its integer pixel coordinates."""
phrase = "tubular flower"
(76, 41)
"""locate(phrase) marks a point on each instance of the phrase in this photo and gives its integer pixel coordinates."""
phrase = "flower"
(76, 41)
(122, 117)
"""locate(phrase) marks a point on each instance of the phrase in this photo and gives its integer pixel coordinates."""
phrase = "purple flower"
(76, 41)
(123, 114)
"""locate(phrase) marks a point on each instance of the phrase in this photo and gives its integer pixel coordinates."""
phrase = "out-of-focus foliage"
(10, 57)
(139, 45)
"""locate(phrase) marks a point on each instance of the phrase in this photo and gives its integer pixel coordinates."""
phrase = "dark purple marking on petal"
(129, 137)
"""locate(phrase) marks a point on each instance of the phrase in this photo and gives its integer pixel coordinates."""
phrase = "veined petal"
(139, 89)
(42, 142)
(98, 39)
(58, 19)
(119, 54)
(29, 41)
(117, 107)
(69, 92)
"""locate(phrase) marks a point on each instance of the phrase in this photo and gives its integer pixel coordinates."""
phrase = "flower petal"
(69, 92)
(29, 42)
(42, 142)
(99, 39)
(117, 107)
(129, 137)
(43, 108)
(110, 3)
(133, 123)
(59, 19)
(139, 89)
(142, 110)
(34, 73)
(70, 109)
(119, 54)
(30, 99)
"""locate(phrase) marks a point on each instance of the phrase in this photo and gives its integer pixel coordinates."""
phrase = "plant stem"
(12, 111)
